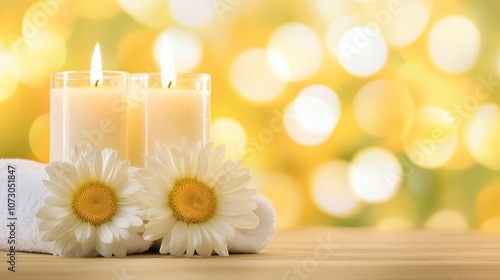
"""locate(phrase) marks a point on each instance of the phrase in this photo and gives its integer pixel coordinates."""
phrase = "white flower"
(193, 201)
(91, 210)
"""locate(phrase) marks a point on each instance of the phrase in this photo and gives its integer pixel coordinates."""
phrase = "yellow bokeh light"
(252, 78)
(331, 190)
(219, 131)
(39, 137)
(47, 49)
(8, 85)
(375, 111)
(192, 13)
(447, 220)
(330, 9)
(454, 44)
(362, 51)
(295, 47)
(336, 29)
(375, 175)
(87, 9)
(404, 27)
(286, 198)
(483, 136)
(186, 48)
(491, 225)
(313, 115)
(393, 222)
(150, 13)
(432, 139)
(487, 206)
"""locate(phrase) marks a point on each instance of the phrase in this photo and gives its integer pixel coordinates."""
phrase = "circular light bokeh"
(375, 110)
(150, 13)
(375, 175)
(39, 137)
(482, 136)
(362, 51)
(331, 190)
(313, 115)
(329, 9)
(219, 131)
(186, 48)
(295, 52)
(447, 220)
(192, 13)
(252, 78)
(47, 49)
(432, 139)
(454, 44)
(488, 208)
(405, 26)
(336, 29)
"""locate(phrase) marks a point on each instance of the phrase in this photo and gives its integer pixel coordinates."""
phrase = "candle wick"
(169, 84)
(96, 82)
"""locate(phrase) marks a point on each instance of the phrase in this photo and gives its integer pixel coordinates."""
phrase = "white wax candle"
(81, 116)
(175, 113)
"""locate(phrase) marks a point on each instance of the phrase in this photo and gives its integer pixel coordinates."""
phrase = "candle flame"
(96, 67)
(167, 65)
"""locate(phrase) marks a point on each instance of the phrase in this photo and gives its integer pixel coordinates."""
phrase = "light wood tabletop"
(296, 254)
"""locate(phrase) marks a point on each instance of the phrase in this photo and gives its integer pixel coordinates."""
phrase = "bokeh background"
(348, 113)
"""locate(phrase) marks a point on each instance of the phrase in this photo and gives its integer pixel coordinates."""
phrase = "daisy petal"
(178, 239)
(235, 207)
(247, 220)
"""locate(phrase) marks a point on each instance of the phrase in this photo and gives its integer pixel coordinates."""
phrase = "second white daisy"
(193, 201)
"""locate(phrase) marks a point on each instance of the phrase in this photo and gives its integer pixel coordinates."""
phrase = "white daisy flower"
(193, 201)
(91, 210)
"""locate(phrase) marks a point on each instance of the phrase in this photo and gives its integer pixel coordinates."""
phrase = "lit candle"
(176, 105)
(88, 107)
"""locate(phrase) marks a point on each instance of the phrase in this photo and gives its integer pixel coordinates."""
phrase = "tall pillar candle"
(179, 108)
(84, 111)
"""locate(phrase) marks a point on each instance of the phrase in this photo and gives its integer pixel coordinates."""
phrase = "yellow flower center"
(192, 201)
(94, 202)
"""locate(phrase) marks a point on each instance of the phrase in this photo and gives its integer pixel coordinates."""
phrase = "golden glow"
(39, 137)
(251, 66)
(296, 87)
(375, 111)
(191, 201)
(287, 200)
(235, 144)
(94, 202)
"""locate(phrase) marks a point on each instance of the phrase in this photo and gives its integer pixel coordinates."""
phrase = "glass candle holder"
(87, 110)
(171, 108)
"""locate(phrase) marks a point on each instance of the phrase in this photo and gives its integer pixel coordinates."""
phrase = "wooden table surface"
(296, 254)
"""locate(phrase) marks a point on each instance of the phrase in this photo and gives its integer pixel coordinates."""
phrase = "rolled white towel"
(254, 240)
(30, 194)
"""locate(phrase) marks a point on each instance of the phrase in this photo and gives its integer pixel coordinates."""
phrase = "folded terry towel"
(30, 194)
